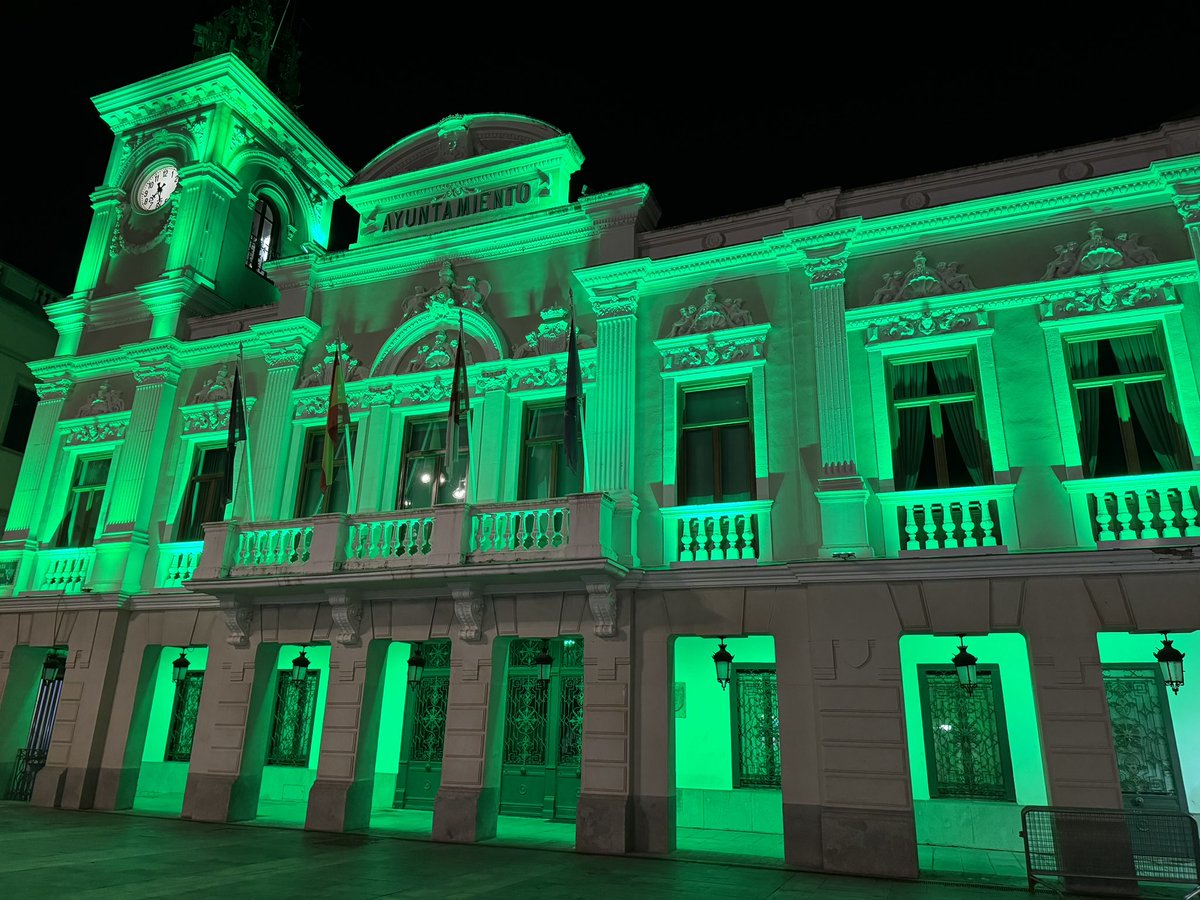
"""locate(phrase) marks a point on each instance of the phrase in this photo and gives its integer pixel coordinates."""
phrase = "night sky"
(714, 120)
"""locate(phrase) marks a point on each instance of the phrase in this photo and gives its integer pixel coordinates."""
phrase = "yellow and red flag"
(337, 418)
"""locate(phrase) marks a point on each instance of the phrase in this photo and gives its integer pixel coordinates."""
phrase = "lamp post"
(179, 668)
(964, 664)
(53, 667)
(724, 661)
(300, 666)
(544, 661)
(1170, 660)
(416, 667)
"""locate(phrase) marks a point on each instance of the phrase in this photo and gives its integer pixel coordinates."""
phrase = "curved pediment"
(426, 341)
(456, 137)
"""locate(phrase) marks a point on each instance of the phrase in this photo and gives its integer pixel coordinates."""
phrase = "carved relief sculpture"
(322, 372)
(437, 353)
(551, 335)
(104, 400)
(922, 281)
(447, 296)
(712, 314)
(1098, 254)
(217, 388)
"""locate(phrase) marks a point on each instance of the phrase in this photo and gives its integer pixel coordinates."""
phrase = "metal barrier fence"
(1111, 844)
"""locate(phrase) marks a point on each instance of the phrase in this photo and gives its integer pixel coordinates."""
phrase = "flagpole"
(352, 497)
(247, 461)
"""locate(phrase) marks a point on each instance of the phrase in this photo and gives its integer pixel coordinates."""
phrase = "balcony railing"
(67, 570)
(965, 520)
(1132, 509)
(176, 563)
(718, 532)
(577, 527)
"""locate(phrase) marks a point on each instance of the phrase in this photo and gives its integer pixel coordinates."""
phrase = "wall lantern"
(300, 666)
(724, 660)
(416, 667)
(1170, 661)
(964, 664)
(544, 661)
(179, 668)
(54, 666)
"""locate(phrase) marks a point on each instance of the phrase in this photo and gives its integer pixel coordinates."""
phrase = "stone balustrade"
(177, 563)
(1135, 509)
(962, 519)
(68, 570)
(718, 532)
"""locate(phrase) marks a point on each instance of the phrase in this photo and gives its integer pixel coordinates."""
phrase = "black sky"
(738, 114)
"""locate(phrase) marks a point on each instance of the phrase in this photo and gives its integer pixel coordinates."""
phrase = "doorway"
(170, 729)
(38, 707)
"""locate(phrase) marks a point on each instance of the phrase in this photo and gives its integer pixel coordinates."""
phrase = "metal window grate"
(1111, 844)
(183, 718)
(570, 722)
(525, 723)
(295, 710)
(968, 753)
(429, 719)
(758, 728)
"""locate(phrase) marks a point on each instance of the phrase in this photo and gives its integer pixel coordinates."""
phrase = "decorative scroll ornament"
(322, 372)
(238, 617)
(492, 381)
(1099, 254)
(922, 281)
(438, 353)
(218, 387)
(468, 612)
(715, 351)
(129, 238)
(104, 400)
(207, 417)
(926, 323)
(1105, 299)
(551, 374)
(551, 335)
(1188, 206)
(711, 315)
(603, 602)
(95, 432)
(429, 391)
(53, 390)
(447, 296)
(347, 616)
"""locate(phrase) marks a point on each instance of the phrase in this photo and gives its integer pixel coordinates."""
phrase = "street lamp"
(53, 667)
(964, 664)
(544, 661)
(1170, 661)
(179, 668)
(724, 660)
(300, 666)
(416, 667)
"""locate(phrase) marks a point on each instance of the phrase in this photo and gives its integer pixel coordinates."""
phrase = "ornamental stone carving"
(551, 374)
(618, 305)
(322, 372)
(218, 387)
(827, 269)
(551, 335)
(922, 281)
(712, 314)
(926, 323)
(207, 417)
(95, 432)
(104, 400)
(1107, 299)
(128, 238)
(714, 351)
(437, 352)
(492, 381)
(156, 371)
(238, 618)
(53, 390)
(468, 612)
(602, 600)
(1098, 254)
(447, 296)
(284, 355)
(347, 616)
(429, 391)
(1188, 207)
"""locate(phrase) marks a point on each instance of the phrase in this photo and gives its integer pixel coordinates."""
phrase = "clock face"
(157, 187)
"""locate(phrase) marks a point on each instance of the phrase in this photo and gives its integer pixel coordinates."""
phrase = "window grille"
(966, 743)
(295, 712)
(756, 718)
(183, 718)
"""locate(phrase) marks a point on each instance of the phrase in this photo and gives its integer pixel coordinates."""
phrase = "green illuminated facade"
(839, 433)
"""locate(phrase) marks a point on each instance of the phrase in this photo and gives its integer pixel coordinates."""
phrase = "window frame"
(528, 409)
(681, 430)
(255, 261)
(182, 524)
(313, 684)
(406, 455)
(61, 538)
(736, 724)
(312, 468)
(1001, 724)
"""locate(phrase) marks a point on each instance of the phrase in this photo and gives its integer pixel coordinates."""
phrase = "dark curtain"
(1137, 353)
(954, 377)
(1085, 363)
(909, 381)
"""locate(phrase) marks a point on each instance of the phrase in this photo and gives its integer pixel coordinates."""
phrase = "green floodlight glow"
(964, 664)
(724, 661)
(1170, 660)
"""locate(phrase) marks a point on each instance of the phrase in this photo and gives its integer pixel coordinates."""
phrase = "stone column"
(340, 799)
(233, 724)
(72, 773)
(121, 549)
(1188, 206)
(468, 801)
(39, 452)
(604, 818)
(68, 317)
(285, 343)
(840, 490)
(491, 467)
(105, 203)
(205, 190)
(611, 414)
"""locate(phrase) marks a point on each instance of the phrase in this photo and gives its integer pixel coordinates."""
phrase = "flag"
(337, 415)
(460, 414)
(573, 408)
(236, 434)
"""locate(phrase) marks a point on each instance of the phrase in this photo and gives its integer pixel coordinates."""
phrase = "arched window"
(262, 235)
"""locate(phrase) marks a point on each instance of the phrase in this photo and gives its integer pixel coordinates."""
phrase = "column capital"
(55, 389)
(826, 267)
(285, 342)
(623, 302)
(1188, 207)
(162, 370)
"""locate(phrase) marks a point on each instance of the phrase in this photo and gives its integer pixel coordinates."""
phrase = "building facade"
(835, 436)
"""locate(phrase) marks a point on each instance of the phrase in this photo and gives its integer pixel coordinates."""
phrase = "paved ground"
(56, 853)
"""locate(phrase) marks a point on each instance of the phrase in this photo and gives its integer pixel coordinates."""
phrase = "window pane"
(419, 476)
(737, 467)
(545, 422)
(310, 493)
(426, 436)
(569, 481)
(699, 475)
(1110, 450)
(212, 461)
(539, 466)
(94, 471)
(721, 405)
(20, 419)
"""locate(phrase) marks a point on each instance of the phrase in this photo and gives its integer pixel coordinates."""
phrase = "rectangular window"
(423, 479)
(308, 499)
(755, 699)
(85, 500)
(202, 500)
(1126, 413)
(183, 717)
(938, 437)
(544, 469)
(966, 741)
(716, 454)
(20, 418)
(295, 713)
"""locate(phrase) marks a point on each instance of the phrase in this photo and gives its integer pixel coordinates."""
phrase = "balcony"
(949, 520)
(177, 563)
(718, 532)
(1133, 510)
(68, 570)
(575, 528)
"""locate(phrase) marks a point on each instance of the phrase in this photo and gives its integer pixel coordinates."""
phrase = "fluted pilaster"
(616, 377)
(38, 451)
(827, 279)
